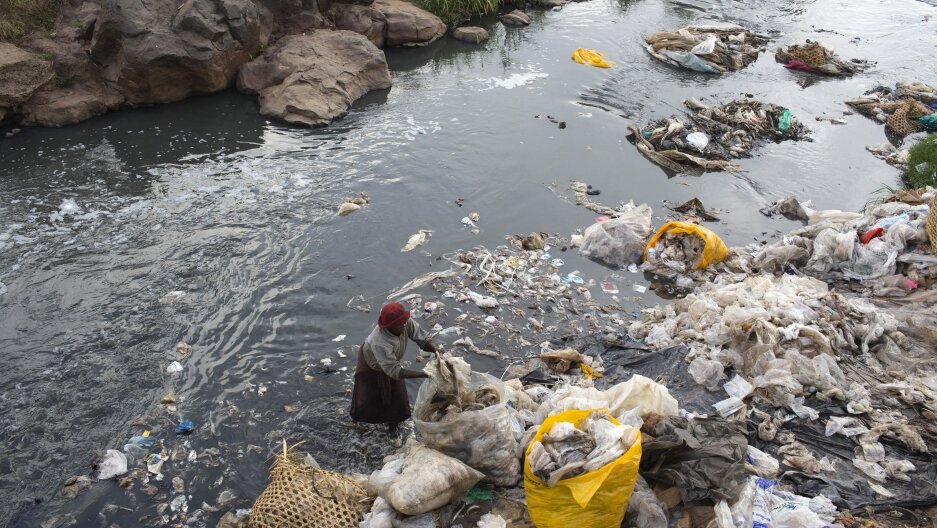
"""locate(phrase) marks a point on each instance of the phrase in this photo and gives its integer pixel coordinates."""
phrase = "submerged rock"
(516, 18)
(314, 78)
(470, 34)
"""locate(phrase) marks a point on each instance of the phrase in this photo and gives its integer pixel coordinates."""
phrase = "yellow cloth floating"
(714, 249)
(597, 499)
(591, 57)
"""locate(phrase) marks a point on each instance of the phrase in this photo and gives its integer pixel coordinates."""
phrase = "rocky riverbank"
(307, 60)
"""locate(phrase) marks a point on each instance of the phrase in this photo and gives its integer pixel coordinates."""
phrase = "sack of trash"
(619, 241)
(683, 246)
(731, 131)
(708, 49)
(580, 469)
(901, 108)
(419, 480)
(302, 496)
(465, 415)
(814, 57)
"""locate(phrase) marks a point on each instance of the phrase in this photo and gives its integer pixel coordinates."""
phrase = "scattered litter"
(591, 57)
(339, 338)
(113, 465)
(790, 208)
(695, 210)
(708, 49)
(814, 57)
(610, 288)
(639, 288)
(174, 367)
(184, 427)
(183, 351)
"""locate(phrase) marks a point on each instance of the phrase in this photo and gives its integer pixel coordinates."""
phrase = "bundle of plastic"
(567, 451)
(708, 49)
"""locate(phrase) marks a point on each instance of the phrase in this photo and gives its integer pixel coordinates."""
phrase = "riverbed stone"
(470, 34)
(516, 18)
(406, 25)
(314, 78)
(21, 74)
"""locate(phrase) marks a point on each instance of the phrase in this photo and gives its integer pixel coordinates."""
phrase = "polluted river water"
(203, 222)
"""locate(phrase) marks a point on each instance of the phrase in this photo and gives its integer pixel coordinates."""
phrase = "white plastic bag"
(419, 480)
(619, 241)
(697, 140)
(706, 372)
(707, 46)
(645, 510)
(113, 465)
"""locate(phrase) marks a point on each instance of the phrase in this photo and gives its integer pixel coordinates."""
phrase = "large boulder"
(390, 23)
(516, 18)
(314, 78)
(363, 19)
(21, 74)
(157, 52)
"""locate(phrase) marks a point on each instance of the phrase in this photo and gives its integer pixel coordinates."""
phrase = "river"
(206, 223)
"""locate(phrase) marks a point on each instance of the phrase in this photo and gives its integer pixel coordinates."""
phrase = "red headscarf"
(393, 315)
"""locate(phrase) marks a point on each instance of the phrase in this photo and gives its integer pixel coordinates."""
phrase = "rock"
(471, 34)
(552, 3)
(362, 19)
(407, 25)
(230, 520)
(21, 74)
(516, 18)
(312, 79)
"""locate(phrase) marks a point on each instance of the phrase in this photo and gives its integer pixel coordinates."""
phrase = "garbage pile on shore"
(795, 381)
(708, 137)
(709, 49)
(814, 57)
(907, 109)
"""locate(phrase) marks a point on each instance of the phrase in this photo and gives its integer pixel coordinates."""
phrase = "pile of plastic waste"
(707, 137)
(906, 109)
(814, 57)
(710, 49)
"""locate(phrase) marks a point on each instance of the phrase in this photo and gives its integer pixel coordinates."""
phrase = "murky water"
(206, 223)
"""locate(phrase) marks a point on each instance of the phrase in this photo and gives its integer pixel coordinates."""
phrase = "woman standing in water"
(380, 393)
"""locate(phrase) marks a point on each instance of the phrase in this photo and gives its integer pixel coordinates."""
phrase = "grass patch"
(922, 163)
(454, 11)
(20, 17)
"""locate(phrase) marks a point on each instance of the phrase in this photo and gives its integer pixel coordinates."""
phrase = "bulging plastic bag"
(706, 372)
(419, 480)
(714, 249)
(113, 465)
(645, 510)
(484, 438)
(619, 241)
(597, 499)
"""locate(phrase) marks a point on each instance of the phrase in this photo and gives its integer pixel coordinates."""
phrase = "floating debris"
(708, 49)
(814, 57)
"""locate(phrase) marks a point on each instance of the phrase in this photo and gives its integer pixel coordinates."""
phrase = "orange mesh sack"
(300, 496)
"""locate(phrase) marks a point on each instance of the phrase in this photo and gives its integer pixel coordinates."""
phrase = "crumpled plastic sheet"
(703, 457)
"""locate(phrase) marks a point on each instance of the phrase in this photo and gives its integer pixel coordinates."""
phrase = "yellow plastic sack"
(597, 499)
(591, 57)
(714, 249)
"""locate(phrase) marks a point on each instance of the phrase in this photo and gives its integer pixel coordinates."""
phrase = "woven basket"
(903, 119)
(300, 496)
(931, 225)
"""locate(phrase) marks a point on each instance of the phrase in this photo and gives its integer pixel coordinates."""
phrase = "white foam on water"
(515, 80)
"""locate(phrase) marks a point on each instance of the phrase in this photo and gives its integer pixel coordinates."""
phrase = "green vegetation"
(454, 11)
(19, 17)
(922, 163)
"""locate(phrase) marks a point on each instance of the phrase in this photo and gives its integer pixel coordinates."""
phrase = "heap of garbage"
(906, 109)
(817, 58)
(707, 137)
(707, 48)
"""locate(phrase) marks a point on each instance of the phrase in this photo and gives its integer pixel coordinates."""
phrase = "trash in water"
(573, 278)
(610, 288)
(183, 350)
(174, 367)
(113, 465)
(416, 239)
(557, 262)
(533, 242)
(347, 208)
(590, 57)
(184, 427)
(683, 246)
(814, 57)
(694, 207)
(900, 108)
(790, 208)
(619, 241)
(639, 288)
(339, 338)
(734, 129)
(709, 49)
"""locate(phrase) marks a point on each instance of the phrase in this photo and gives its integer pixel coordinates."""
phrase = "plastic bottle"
(784, 122)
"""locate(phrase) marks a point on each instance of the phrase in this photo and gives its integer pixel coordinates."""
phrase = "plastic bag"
(380, 516)
(483, 439)
(706, 372)
(419, 480)
(590, 57)
(738, 387)
(690, 61)
(645, 510)
(619, 241)
(831, 249)
(707, 46)
(113, 465)
(597, 499)
(761, 463)
(490, 520)
(714, 249)
(697, 140)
